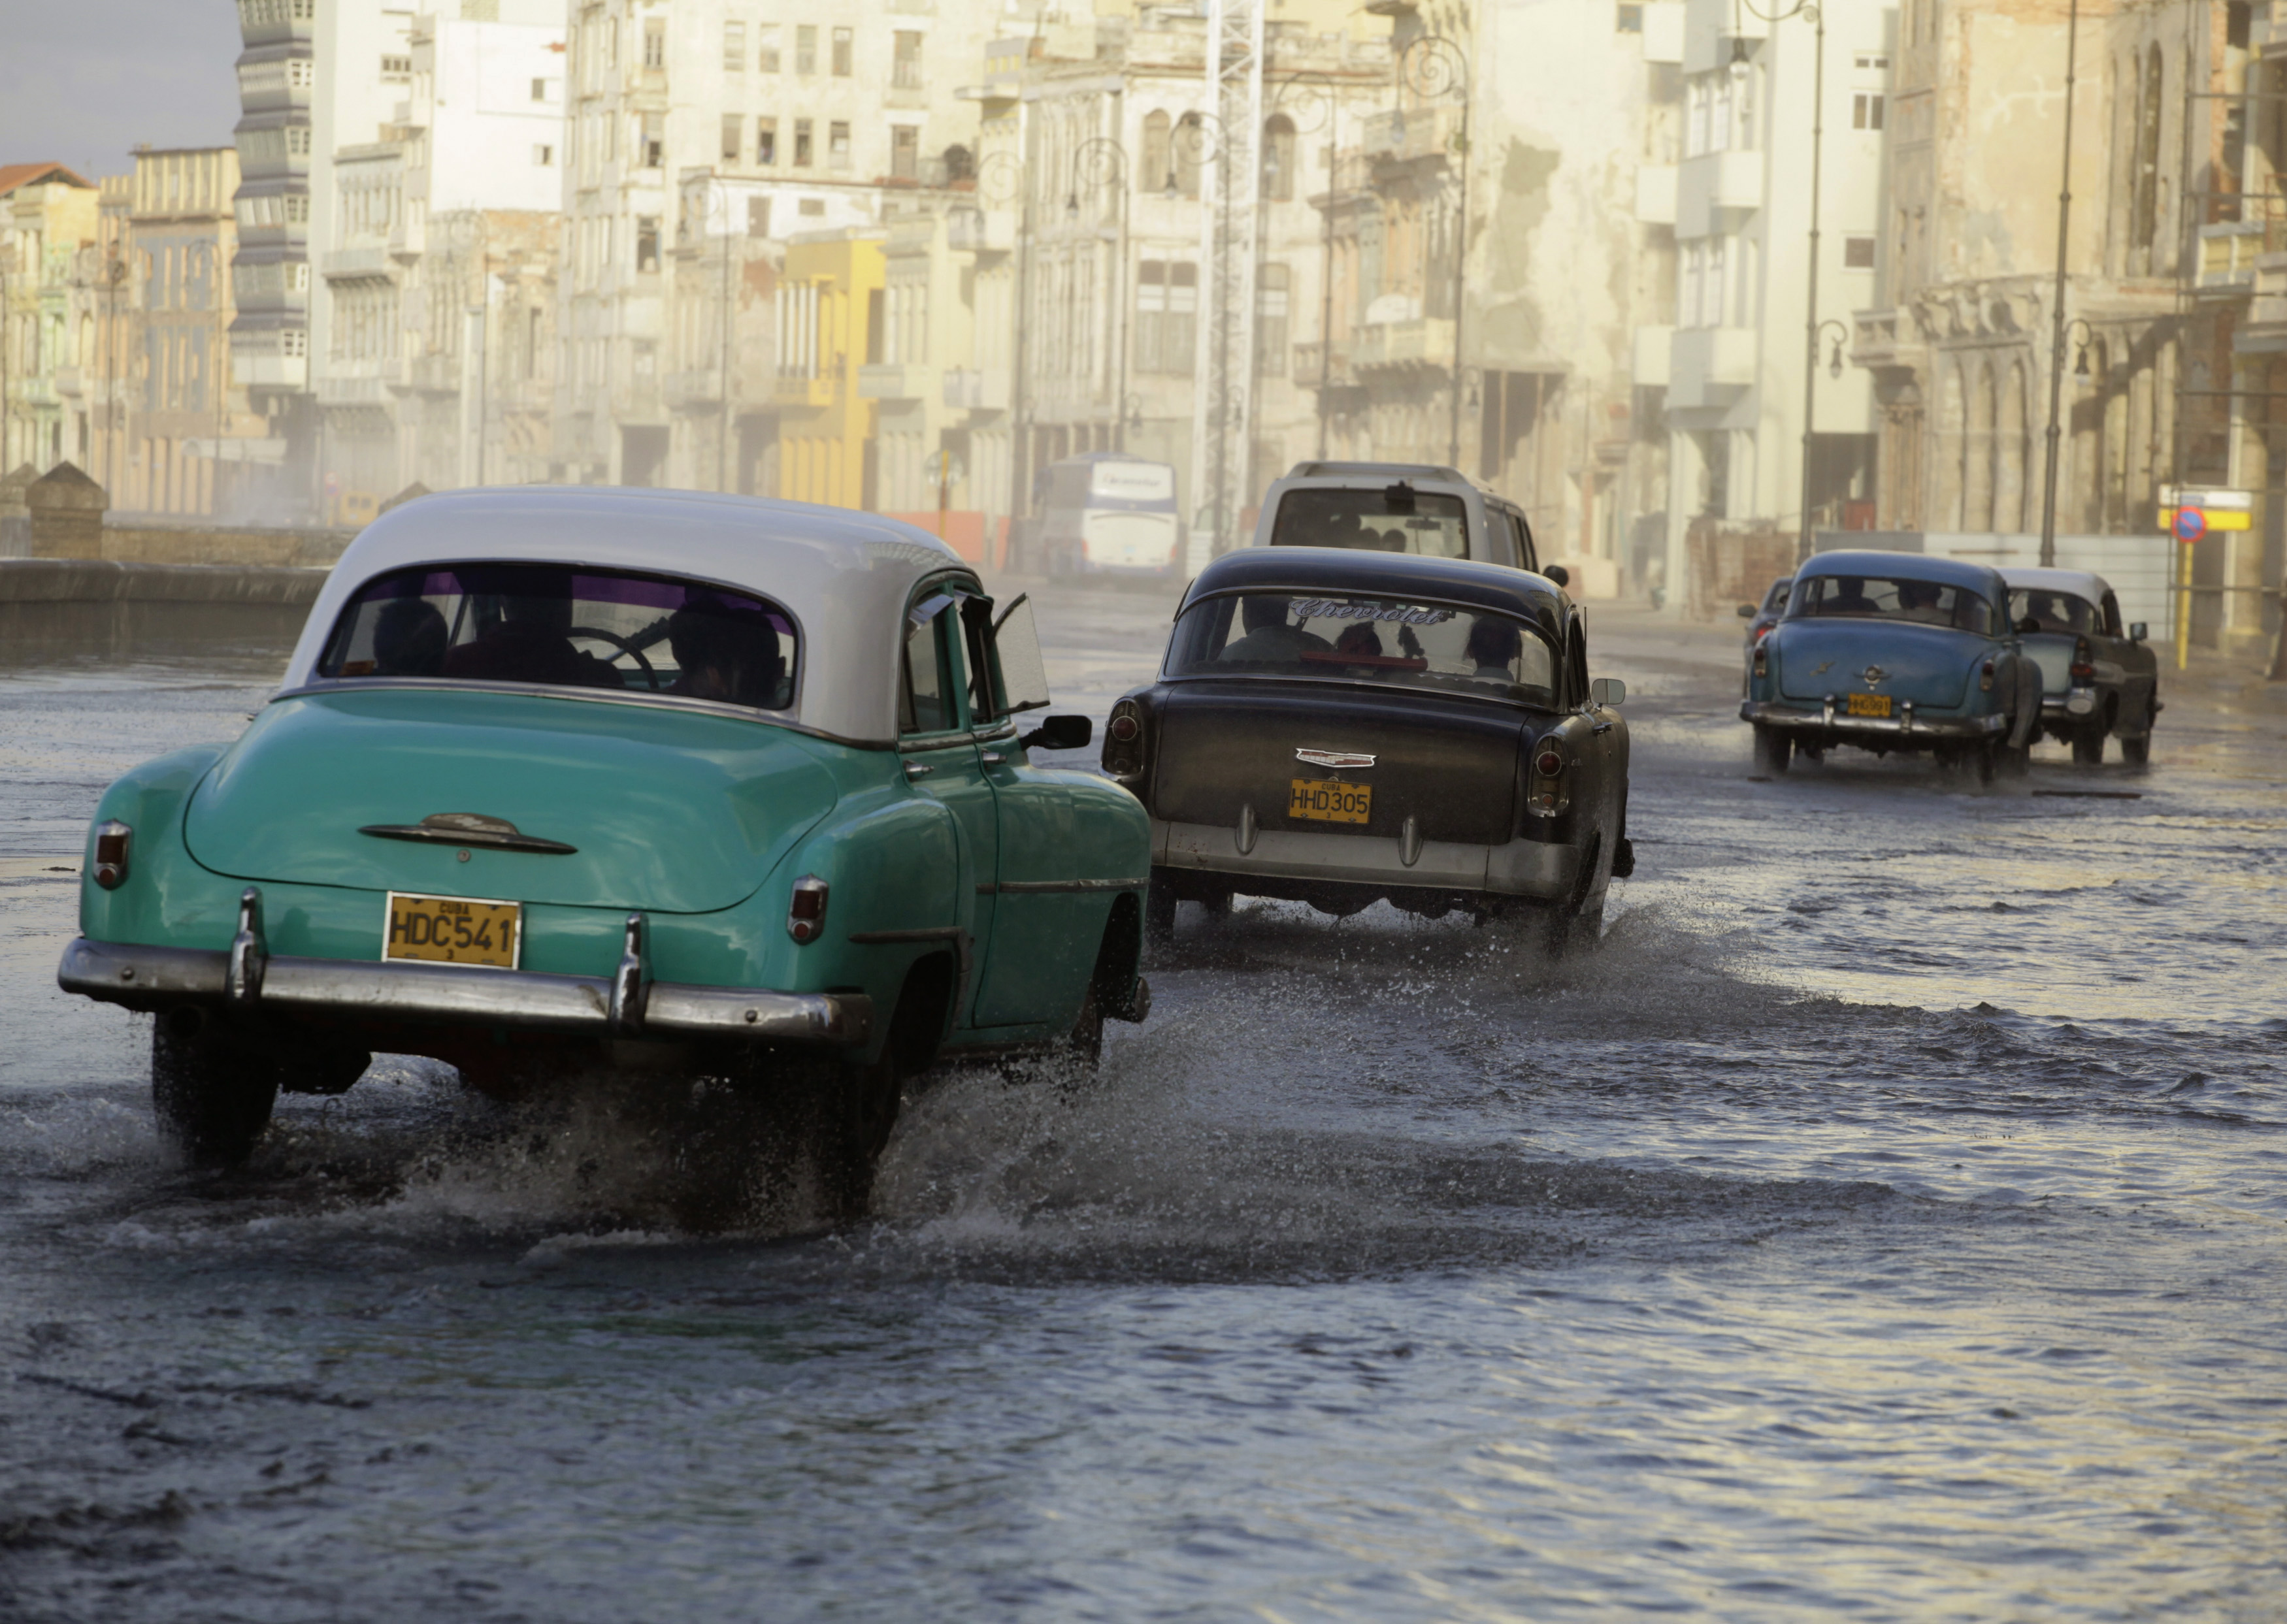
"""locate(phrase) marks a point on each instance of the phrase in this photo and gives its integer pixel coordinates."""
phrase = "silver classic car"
(2100, 679)
(1337, 728)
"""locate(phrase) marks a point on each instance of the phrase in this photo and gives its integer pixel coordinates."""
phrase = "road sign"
(2218, 508)
(2190, 525)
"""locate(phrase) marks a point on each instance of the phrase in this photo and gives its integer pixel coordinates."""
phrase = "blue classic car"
(1894, 651)
(567, 779)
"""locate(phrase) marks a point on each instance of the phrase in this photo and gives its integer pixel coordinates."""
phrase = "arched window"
(1190, 141)
(1158, 173)
(1278, 160)
(2144, 223)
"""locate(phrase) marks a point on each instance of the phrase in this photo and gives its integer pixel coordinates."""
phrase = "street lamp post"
(2057, 309)
(1435, 70)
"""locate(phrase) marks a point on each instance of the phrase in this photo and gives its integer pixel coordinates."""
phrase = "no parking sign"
(2190, 525)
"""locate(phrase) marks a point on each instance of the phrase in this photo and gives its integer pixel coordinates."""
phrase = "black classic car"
(1337, 728)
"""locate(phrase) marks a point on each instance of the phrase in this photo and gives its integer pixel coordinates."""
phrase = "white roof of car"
(845, 576)
(2080, 583)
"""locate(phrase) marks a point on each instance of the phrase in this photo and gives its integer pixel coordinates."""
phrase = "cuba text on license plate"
(1329, 801)
(453, 930)
(1868, 705)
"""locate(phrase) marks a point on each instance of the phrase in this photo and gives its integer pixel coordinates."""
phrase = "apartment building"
(269, 263)
(47, 213)
(717, 119)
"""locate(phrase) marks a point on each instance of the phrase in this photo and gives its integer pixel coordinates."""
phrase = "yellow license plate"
(1330, 801)
(453, 930)
(1868, 705)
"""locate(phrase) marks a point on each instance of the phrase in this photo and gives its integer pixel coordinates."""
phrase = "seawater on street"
(1886, 1221)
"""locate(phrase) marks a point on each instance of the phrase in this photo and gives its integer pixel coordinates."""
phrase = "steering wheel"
(623, 646)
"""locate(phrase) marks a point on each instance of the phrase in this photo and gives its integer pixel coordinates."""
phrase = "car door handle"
(915, 771)
(993, 758)
(1602, 727)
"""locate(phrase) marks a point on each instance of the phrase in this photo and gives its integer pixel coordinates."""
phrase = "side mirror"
(2137, 631)
(1607, 690)
(1746, 612)
(1061, 733)
(1558, 573)
(2031, 623)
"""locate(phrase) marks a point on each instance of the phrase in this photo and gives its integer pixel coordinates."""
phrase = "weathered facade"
(47, 215)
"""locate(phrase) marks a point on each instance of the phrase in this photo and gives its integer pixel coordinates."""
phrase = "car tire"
(1772, 751)
(2136, 749)
(1985, 758)
(212, 1087)
(1160, 915)
(2088, 748)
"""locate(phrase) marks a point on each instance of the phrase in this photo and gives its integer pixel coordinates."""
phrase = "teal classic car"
(1888, 652)
(695, 785)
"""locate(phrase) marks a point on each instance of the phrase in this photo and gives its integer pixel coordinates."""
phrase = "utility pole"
(1230, 177)
(2057, 309)
(1810, 311)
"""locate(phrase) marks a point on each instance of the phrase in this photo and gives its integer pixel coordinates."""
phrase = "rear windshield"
(2051, 611)
(1364, 639)
(1881, 597)
(1379, 518)
(563, 628)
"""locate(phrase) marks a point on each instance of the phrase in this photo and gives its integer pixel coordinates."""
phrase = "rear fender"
(150, 799)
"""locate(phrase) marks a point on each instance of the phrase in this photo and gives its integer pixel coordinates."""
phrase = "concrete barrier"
(59, 607)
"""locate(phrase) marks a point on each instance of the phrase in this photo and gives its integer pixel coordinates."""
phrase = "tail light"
(806, 908)
(1126, 743)
(111, 840)
(2083, 669)
(1545, 795)
(1762, 659)
(1985, 677)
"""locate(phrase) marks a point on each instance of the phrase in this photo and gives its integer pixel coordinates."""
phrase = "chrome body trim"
(1042, 888)
(470, 995)
(1902, 728)
(1539, 869)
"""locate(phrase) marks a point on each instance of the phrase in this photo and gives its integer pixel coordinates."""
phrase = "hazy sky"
(83, 80)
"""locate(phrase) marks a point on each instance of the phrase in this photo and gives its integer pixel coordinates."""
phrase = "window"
(1865, 111)
(654, 43)
(905, 151)
(927, 702)
(1158, 172)
(1387, 642)
(1278, 160)
(812, 206)
(1858, 253)
(298, 141)
(766, 58)
(646, 243)
(1873, 64)
(906, 65)
(837, 146)
(301, 72)
(734, 127)
(758, 216)
(1190, 145)
(396, 70)
(802, 158)
(652, 153)
(734, 47)
(488, 623)
(543, 156)
(806, 48)
(1166, 315)
(842, 54)
(539, 90)
(1629, 20)
(1891, 598)
(1271, 283)
(767, 141)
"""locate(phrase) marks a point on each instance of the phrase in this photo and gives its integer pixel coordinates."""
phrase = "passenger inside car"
(1270, 639)
(2051, 612)
(408, 639)
(725, 655)
(1494, 648)
(526, 637)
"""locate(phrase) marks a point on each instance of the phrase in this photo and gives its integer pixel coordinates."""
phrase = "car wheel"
(1984, 758)
(2088, 748)
(1772, 751)
(2136, 749)
(1085, 1042)
(212, 1088)
(2012, 761)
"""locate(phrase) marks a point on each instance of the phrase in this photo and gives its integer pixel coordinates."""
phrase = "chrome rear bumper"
(416, 994)
(1520, 867)
(1904, 729)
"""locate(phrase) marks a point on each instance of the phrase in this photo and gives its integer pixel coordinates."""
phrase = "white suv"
(1395, 508)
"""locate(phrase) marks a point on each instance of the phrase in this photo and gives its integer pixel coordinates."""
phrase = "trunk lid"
(669, 810)
(2052, 652)
(1451, 764)
(1929, 665)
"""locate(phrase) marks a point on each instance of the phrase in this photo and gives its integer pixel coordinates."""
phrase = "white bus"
(1107, 514)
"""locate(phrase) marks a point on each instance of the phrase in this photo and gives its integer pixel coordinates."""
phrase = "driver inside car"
(531, 642)
(1269, 640)
(723, 655)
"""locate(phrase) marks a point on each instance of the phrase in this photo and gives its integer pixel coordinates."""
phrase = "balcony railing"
(892, 381)
(1425, 341)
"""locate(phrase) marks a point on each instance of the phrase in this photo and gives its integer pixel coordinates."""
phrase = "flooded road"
(1888, 1221)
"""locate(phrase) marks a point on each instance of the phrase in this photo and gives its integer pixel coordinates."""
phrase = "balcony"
(1422, 342)
(1713, 182)
(694, 389)
(1310, 370)
(2227, 257)
(800, 391)
(1411, 135)
(1649, 365)
(1875, 341)
(986, 231)
(969, 390)
(1656, 193)
(2263, 330)
(1710, 367)
(354, 265)
(892, 381)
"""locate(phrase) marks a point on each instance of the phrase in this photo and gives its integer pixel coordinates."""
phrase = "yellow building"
(829, 324)
(47, 214)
